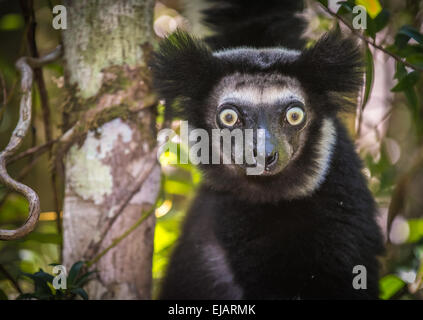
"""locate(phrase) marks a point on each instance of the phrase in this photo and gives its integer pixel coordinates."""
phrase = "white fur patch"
(240, 50)
(324, 150)
(257, 96)
(220, 271)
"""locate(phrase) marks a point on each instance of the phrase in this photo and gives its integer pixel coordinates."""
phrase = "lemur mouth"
(271, 161)
(272, 166)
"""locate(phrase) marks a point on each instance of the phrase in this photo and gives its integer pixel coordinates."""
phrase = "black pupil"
(294, 116)
(229, 117)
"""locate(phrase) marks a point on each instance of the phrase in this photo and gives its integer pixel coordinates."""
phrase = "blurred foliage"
(180, 182)
(11, 21)
(395, 25)
(44, 288)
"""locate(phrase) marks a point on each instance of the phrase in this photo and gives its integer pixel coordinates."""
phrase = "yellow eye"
(295, 116)
(228, 117)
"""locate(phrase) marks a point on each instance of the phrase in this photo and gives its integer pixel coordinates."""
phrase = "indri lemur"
(297, 230)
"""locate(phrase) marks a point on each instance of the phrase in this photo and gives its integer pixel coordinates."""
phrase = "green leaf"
(369, 77)
(416, 230)
(401, 41)
(411, 32)
(324, 2)
(407, 81)
(347, 5)
(74, 271)
(400, 72)
(345, 8)
(40, 276)
(413, 103)
(406, 84)
(416, 59)
(41, 288)
(380, 21)
(80, 292)
(405, 33)
(406, 51)
(389, 285)
(82, 280)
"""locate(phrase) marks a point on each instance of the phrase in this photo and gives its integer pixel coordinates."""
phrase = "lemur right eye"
(228, 117)
(295, 116)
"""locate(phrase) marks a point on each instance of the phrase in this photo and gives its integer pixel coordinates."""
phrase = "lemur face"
(274, 103)
(300, 135)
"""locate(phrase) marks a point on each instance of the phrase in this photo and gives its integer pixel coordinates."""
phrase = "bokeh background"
(387, 128)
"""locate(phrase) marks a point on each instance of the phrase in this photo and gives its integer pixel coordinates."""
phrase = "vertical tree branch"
(29, 15)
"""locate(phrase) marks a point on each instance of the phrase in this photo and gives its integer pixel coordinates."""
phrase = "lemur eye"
(295, 116)
(228, 117)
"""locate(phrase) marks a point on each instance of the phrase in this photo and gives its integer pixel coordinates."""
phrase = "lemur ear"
(334, 63)
(182, 67)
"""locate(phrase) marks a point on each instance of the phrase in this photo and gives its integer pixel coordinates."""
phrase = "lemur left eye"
(228, 117)
(295, 116)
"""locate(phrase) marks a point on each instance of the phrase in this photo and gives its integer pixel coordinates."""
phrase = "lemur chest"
(268, 249)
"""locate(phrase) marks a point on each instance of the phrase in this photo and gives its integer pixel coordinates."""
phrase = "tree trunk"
(106, 44)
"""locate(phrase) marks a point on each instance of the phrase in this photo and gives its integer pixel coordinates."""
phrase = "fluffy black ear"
(334, 64)
(183, 68)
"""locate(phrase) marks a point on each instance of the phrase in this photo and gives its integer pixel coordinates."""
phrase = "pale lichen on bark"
(88, 176)
(117, 30)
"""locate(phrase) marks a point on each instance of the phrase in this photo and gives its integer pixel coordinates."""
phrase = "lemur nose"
(271, 160)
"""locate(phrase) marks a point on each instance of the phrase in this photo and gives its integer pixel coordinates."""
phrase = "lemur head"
(294, 96)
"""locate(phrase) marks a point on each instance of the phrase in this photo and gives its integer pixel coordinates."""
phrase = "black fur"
(332, 64)
(253, 23)
(273, 247)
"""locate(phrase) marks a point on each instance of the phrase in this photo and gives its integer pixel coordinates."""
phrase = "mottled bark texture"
(106, 45)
